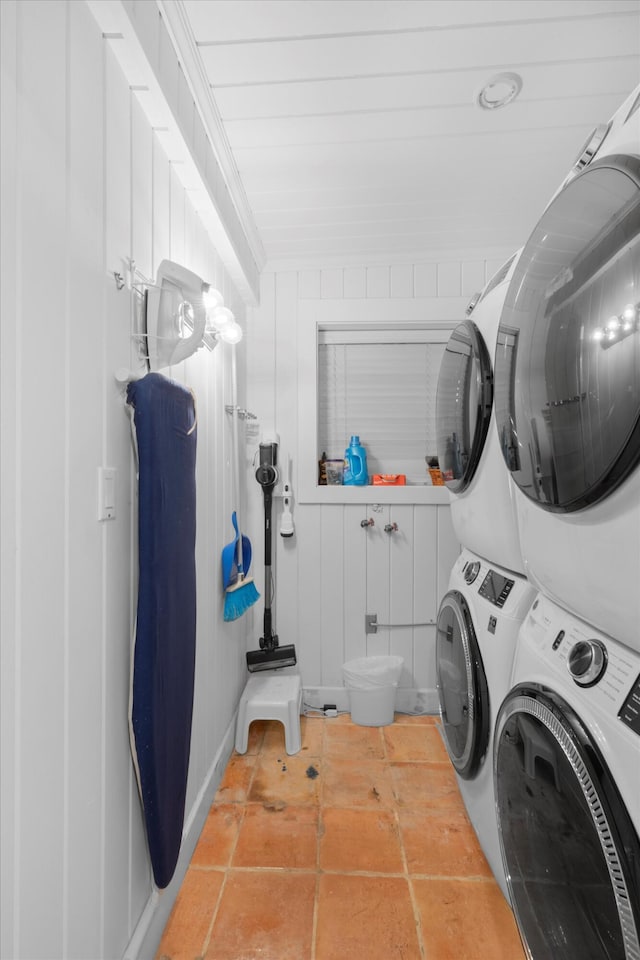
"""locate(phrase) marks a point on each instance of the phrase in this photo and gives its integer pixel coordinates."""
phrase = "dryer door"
(567, 365)
(463, 405)
(571, 854)
(462, 686)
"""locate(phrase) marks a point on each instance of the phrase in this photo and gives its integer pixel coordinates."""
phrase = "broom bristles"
(239, 597)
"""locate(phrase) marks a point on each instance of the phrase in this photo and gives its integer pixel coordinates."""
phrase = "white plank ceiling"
(353, 127)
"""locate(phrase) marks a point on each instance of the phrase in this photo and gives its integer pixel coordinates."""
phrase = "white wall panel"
(117, 577)
(355, 283)
(161, 204)
(329, 578)
(334, 571)
(355, 580)
(9, 487)
(86, 186)
(84, 410)
(42, 557)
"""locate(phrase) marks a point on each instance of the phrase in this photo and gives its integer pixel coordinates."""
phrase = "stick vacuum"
(271, 655)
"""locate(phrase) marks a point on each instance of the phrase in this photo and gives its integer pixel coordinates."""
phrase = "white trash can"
(372, 684)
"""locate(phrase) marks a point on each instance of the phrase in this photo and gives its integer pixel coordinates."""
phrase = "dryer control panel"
(495, 588)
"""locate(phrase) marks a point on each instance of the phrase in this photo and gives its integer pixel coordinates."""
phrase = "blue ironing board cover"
(165, 636)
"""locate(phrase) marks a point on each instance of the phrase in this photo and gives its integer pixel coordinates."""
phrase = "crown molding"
(186, 48)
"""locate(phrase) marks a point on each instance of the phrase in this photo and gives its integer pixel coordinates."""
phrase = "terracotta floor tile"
(256, 735)
(234, 786)
(422, 718)
(431, 786)
(278, 838)
(264, 914)
(185, 933)
(273, 741)
(365, 840)
(343, 819)
(466, 918)
(356, 783)
(219, 834)
(415, 742)
(312, 735)
(365, 917)
(353, 742)
(441, 844)
(281, 780)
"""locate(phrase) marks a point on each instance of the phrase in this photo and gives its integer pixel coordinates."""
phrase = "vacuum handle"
(268, 501)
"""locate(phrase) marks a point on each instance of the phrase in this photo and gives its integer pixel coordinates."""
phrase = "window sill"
(426, 494)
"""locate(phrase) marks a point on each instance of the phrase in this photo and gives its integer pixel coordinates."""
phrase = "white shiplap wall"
(86, 185)
(332, 571)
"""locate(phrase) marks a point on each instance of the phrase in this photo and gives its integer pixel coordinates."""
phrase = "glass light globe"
(221, 317)
(231, 333)
(211, 297)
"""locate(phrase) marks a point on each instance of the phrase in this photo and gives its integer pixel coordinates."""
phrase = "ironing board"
(162, 681)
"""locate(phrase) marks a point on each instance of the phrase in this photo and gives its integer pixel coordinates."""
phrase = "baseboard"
(145, 941)
(408, 700)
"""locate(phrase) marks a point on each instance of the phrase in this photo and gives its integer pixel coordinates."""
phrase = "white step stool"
(272, 697)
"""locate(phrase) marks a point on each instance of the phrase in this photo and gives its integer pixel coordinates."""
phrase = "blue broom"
(241, 593)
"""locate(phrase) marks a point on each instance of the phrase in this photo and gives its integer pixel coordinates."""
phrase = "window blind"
(385, 392)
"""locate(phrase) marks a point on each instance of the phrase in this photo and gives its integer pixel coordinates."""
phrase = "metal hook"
(368, 523)
(390, 527)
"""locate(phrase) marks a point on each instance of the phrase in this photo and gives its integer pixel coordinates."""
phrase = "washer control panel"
(607, 672)
(630, 710)
(495, 588)
(587, 661)
(471, 571)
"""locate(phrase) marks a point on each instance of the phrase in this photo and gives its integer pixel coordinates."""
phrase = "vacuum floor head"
(271, 659)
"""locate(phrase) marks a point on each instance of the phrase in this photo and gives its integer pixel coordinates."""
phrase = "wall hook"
(390, 527)
(119, 279)
(368, 523)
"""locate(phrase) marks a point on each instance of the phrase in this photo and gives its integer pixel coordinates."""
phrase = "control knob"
(587, 661)
(471, 571)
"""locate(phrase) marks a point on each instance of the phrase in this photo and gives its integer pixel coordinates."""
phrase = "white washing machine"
(567, 389)
(480, 489)
(478, 622)
(567, 783)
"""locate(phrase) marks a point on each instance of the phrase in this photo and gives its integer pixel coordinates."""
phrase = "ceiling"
(351, 128)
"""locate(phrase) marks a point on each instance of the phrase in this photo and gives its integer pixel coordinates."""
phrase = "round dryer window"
(567, 366)
(463, 405)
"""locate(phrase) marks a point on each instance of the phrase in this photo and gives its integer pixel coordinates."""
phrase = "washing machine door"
(567, 365)
(571, 854)
(463, 405)
(462, 686)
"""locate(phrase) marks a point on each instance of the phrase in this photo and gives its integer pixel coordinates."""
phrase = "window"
(381, 385)
(360, 372)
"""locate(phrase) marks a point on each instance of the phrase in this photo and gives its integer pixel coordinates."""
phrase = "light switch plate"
(106, 493)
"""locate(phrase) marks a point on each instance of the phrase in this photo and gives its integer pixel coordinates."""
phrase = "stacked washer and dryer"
(488, 594)
(567, 738)
(562, 737)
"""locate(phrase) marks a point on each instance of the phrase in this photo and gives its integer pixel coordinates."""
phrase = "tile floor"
(356, 848)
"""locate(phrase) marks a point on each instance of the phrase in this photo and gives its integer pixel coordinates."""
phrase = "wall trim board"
(346, 260)
(146, 937)
(417, 700)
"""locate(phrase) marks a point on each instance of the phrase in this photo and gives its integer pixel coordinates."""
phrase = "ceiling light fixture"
(500, 90)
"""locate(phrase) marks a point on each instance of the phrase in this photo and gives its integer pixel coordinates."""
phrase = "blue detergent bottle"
(355, 464)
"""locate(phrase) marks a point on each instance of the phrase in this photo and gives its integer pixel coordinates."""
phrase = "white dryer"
(567, 389)
(567, 783)
(478, 622)
(480, 489)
